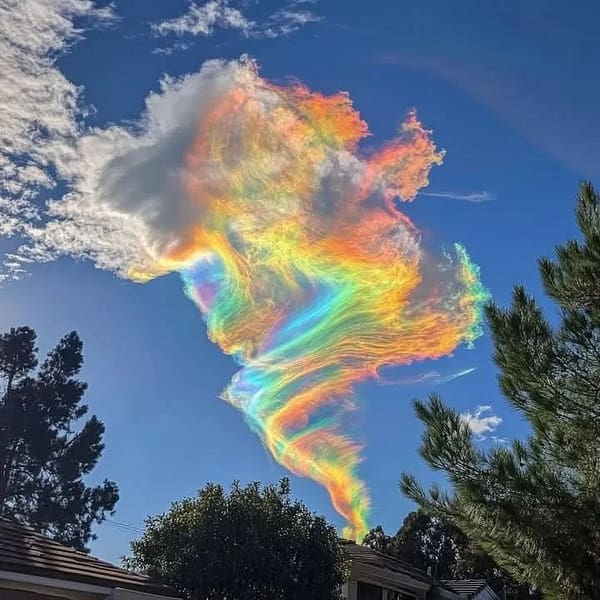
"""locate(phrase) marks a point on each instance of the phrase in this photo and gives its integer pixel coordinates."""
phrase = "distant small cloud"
(480, 422)
(176, 47)
(475, 197)
(287, 20)
(499, 440)
(203, 20)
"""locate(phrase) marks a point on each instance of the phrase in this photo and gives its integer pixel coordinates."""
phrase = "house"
(377, 576)
(34, 567)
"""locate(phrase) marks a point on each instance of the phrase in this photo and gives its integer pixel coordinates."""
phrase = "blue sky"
(508, 90)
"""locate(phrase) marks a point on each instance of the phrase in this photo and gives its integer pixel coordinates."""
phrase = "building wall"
(350, 591)
(367, 591)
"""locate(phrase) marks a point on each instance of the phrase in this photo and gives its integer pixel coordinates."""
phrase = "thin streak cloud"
(474, 197)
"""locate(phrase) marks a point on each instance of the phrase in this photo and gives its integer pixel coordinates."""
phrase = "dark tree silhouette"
(43, 456)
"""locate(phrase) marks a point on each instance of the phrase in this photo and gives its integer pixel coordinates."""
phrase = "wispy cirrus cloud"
(502, 441)
(176, 47)
(482, 421)
(289, 19)
(475, 197)
(429, 377)
(205, 19)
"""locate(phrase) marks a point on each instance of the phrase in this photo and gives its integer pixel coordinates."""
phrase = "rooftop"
(24, 550)
(368, 556)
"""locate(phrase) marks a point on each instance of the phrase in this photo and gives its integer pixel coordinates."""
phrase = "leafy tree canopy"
(251, 543)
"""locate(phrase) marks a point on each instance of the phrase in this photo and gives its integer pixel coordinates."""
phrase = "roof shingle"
(468, 588)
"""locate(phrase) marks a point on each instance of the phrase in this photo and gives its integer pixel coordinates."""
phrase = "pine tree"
(535, 505)
(42, 457)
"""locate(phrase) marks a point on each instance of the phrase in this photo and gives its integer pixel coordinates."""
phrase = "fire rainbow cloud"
(307, 272)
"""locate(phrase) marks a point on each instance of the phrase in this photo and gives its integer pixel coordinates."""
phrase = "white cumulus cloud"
(39, 106)
(482, 421)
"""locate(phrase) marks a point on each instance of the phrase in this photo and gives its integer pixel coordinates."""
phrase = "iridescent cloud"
(306, 270)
